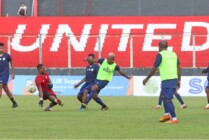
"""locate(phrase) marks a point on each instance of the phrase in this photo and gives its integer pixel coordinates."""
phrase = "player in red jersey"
(45, 86)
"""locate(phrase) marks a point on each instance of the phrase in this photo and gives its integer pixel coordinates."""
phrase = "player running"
(170, 73)
(45, 86)
(5, 60)
(104, 76)
(207, 87)
(91, 74)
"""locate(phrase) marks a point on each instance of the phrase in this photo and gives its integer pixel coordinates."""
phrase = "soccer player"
(170, 73)
(104, 76)
(91, 74)
(207, 87)
(45, 86)
(178, 96)
(5, 60)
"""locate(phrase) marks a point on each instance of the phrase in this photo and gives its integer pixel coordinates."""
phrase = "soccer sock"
(208, 101)
(166, 111)
(13, 100)
(91, 94)
(178, 96)
(99, 101)
(160, 100)
(171, 108)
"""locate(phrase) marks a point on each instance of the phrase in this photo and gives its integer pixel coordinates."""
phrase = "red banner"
(65, 41)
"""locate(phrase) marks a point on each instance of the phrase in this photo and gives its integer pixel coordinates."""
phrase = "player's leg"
(81, 92)
(178, 96)
(1, 87)
(79, 97)
(99, 101)
(94, 89)
(207, 93)
(9, 94)
(160, 100)
(166, 115)
(170, 106)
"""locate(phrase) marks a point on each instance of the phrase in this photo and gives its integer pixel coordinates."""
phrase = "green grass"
(127, 118)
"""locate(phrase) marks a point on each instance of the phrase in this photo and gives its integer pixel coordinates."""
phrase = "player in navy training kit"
(5, 60)
(207, 87)
(91, 74)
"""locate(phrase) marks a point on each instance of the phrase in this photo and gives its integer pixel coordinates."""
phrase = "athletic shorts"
(101, 84)
(83, 88)
(46, 95)
(207, 86)
(4, 79)
(167, 93)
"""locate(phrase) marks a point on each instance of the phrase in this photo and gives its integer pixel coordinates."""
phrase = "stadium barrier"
(63, 42)
(119, 86)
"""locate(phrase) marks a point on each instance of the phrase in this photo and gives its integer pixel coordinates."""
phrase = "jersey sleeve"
(117, 68)
(9, 58)
(38, 82)
(158, 60)
(100, 61)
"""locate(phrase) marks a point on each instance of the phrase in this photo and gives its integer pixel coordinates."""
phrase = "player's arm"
(154, 68)
(38, 84)
(79, 83)
(12, 68)
(179, 74)
(25, 11)
(117, 68)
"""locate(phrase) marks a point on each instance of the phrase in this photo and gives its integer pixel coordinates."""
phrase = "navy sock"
(171, 108)
(179, 98)
(160, 100)
(165, 107)
(91, 94)
(99, 101)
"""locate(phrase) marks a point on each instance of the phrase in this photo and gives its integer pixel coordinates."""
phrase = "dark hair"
(1, 44)
(39, 66)
(91, 54)
(163, 44)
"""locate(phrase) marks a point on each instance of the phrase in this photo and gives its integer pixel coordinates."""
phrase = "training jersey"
(106, 70)
(4, 64)
(166, 83)
(42, 81)
(91, 72)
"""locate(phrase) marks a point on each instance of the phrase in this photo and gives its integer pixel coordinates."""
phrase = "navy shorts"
(84, 87)
(207, 86)
(4, 79)
(101, 83)
(167, 93)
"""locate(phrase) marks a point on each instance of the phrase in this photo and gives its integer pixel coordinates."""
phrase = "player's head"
(22, 4)
(41, 68)
(163, 45)
(91, 58)
(110, 58)
(1, 47)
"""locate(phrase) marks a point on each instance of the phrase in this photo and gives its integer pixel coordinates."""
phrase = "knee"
(79, 96)
(94, 88)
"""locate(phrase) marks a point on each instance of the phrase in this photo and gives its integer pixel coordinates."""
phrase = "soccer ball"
(32, 88)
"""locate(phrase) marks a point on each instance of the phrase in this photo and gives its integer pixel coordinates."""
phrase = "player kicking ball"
(104, 76)
(45, 86)
(5, 60)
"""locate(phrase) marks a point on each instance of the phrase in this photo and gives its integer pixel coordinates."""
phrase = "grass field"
(127, 118)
